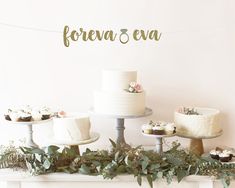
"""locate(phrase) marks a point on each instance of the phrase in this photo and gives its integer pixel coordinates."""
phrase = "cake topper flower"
(188, 111)
(135, 88)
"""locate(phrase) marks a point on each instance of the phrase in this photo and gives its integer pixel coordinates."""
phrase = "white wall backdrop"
(193, 63)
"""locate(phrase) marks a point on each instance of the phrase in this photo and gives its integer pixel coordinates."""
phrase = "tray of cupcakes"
(222, 155)
(28, 114)
(159, 129)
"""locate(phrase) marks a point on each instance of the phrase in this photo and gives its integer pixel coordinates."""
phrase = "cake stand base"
(30, 141)
(159, 140)
(196, 146)
(120, 122)
(196, 143)
(75, 148)
(120, 131)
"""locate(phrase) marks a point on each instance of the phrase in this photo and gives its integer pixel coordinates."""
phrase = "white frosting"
(14, 116)
(170, 127)
(119, 103)
(117, 80)
(224, 155)
(147, 126)
(158, 128)
(205, 124)
(214, 152)
(72, 128)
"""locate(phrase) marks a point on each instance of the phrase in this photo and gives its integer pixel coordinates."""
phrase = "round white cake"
(115, 99)
(204, 124)
(72, 127)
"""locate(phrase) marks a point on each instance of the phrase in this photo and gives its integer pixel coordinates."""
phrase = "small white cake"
(115, 97)
(72, 127)
(202, 123)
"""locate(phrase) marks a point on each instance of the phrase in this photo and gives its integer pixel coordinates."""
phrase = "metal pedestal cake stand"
(120, 122)
(159, 140)
(196, 143)
(30, 141)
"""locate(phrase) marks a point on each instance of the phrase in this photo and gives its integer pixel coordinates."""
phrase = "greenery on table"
(121, 159)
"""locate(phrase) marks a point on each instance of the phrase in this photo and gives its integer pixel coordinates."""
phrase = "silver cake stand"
(196, 143)
(30, 142)
(159, 140)
(120, 122)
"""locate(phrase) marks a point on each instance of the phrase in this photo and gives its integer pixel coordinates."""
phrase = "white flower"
(131, 89)
(132, 84)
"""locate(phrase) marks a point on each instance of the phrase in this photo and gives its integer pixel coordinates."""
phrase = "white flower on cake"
(135, 88)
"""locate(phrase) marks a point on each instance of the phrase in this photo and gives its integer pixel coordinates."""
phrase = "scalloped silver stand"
(120, 122)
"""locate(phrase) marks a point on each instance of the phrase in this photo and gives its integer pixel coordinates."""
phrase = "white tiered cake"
(115, 99)
(203, 122)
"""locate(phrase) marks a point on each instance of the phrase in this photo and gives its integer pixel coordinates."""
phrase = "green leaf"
(150, 180)
(144, 164)
(181, 174)
(113, 143)
(121, 169)
(139, 179)
(160, 174)
(52, 149)
(37, 150)
(46, 164)
(116, 156)
(84, 169)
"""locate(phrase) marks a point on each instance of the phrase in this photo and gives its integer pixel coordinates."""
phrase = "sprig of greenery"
(121, 159)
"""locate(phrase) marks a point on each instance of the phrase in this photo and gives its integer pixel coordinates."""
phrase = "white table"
(19, 179)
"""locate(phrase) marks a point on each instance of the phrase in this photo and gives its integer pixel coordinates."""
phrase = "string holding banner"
(56, 31)
(30, 28)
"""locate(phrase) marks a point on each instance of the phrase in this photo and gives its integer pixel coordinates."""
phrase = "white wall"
(193, 63)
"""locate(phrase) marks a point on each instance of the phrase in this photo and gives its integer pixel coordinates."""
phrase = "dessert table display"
(121, 97)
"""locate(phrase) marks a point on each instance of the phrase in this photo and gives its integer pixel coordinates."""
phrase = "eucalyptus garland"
(121, 159)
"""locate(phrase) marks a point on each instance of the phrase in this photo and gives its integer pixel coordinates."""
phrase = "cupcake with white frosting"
(158, 130)
(170, 128)
(23, 116)
(215, 154)
(229, 153)
(147, 129)
(36, 115)
(46, 113)
(224, 157)
(7, 115)
(14, 116)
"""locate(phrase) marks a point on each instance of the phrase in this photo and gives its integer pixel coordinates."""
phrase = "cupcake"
(224, 157)
(46, 113)
(147, 129)
(7, 115)
(170, 128)
(215, 154)
(229, 153)
(36, 116)
(14, 116)
(25, 116)
(158, 130)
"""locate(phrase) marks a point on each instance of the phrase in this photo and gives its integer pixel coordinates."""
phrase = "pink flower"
(138, 88)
